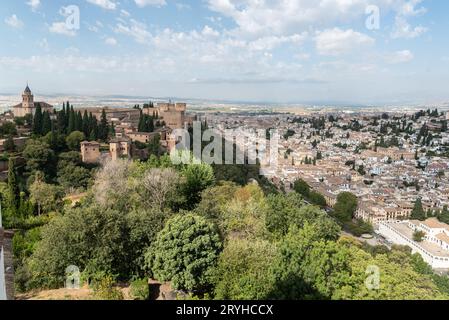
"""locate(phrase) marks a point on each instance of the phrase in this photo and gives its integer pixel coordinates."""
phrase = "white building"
(434, 248)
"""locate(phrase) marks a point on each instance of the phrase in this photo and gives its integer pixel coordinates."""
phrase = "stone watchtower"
(27, 99)
(90, 151)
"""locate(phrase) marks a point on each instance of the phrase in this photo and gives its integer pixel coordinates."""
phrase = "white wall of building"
(2, 276)
(386, 230)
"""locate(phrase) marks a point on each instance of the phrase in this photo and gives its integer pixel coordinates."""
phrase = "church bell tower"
(27, 99)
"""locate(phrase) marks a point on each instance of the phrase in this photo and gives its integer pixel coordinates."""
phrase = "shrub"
(140, 290)
(185, 252)
(418, 236)
(358, 227)
(104, 289)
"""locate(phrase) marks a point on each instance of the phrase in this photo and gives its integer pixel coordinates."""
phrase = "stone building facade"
(28, 106)
(172, 114)
(90, 151)
(120, 148)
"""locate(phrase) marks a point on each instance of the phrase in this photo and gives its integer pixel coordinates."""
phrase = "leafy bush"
(244, 271)
(358, 227)
(140, 290)
(185, 253)
(104, 289)
(90, 238)
(198, 178)
(418, 236)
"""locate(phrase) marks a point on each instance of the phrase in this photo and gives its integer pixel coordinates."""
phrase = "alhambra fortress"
(125, 120)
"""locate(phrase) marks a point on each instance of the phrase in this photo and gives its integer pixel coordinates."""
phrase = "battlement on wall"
(167, 107)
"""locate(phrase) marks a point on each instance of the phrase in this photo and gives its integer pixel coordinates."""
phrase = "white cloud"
(210, 32)
(182, 6)
(271, 42)
(286, 17)
(110, 41)
(34, 4)
(409, 8)
(61, 28)
(124, 13)
(403, 29)
(105, 4)
(96, 27)
(14, 22)
(400, 57)
(154, 3)
(256, 18)
(334, 42)
(44, 44)
(137, 30)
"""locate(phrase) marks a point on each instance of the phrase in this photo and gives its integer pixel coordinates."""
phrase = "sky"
(285, 51)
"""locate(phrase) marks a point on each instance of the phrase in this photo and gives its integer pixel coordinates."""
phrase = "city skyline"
(225, 50)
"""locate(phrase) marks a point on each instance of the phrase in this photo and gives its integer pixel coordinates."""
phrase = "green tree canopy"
(301, 187)
(245, 270)
(185, 253)
(418, 211)
(74, 140)
(198, 178)
(346, 206)
(39, 156)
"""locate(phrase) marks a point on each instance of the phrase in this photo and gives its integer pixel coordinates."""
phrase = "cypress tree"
(418, 211)
(94, 130)
(68, 111)
(86, 123)
(60, 119)
(141, 122)
(103, 128)
(37, 121)
(444, 215)
(72, 122)
(13, 187)
(150, 124)
(78, 121)
(46, 123)
(112, 130)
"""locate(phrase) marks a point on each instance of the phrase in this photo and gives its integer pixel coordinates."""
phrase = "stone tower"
(27, 99)
(90, 151)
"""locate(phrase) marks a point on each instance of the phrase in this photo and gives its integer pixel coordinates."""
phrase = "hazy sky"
(252, 50)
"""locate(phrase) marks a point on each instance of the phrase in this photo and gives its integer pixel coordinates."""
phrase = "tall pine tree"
(46, 123)
(37, 120)
(86, 124)
(418, 211)
(93, 136)
(103, 128)
(72, 121)
(13, 187)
